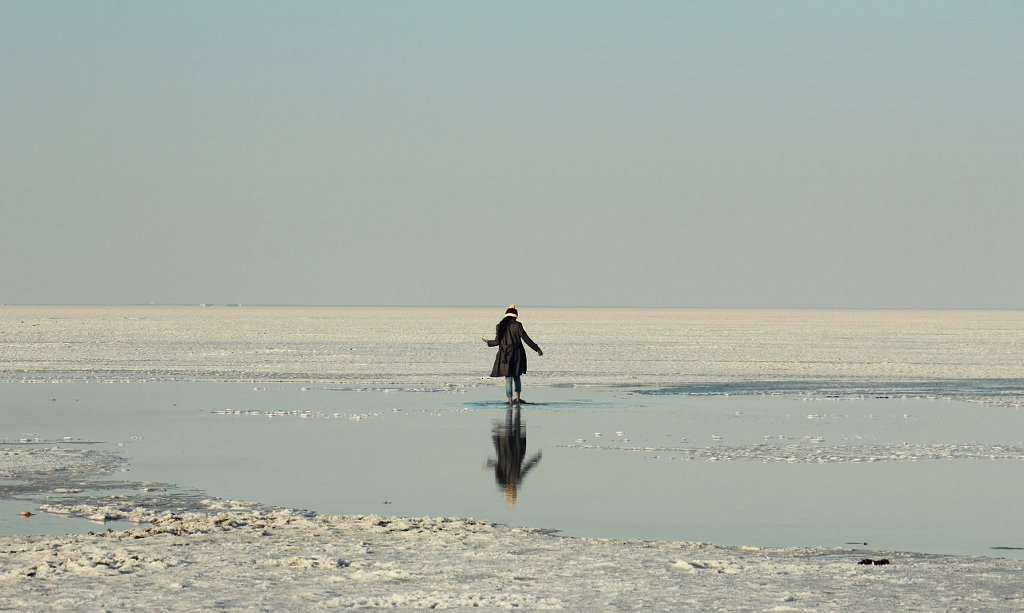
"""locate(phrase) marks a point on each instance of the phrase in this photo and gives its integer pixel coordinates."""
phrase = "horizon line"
(470, 306)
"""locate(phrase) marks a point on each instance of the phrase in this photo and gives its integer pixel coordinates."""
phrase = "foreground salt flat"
(175, 552)
(235, 557)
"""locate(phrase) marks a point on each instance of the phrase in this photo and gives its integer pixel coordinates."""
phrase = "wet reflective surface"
(601, 462)
(511, 465)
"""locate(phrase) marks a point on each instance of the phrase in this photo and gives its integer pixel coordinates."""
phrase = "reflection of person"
(510, 444)
(511, 359)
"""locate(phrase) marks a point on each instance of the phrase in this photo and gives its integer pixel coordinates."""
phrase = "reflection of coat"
(510, 443)
(511, 358)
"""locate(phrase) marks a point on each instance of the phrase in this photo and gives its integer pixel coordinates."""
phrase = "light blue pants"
(508, 385)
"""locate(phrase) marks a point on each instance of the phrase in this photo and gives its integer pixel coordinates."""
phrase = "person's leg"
(519, 388)
(508, 389)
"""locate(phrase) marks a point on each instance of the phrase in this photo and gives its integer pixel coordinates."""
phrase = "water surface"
(612, 462)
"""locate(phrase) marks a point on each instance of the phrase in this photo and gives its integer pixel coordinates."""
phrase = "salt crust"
(820, 454)
(54, 462)
(963, 354)
(233, 556)
(187, 554)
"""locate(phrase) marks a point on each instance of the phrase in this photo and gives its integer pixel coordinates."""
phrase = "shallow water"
(11, 521)
(426, 453)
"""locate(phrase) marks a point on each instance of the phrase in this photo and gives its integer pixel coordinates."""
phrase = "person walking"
(510, 362)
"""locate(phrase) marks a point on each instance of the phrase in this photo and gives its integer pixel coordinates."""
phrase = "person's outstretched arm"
(495, 342)
(529, 341)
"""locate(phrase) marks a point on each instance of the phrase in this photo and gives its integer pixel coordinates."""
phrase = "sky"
(665, 154)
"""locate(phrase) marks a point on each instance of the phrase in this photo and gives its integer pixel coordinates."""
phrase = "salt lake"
(922, 474)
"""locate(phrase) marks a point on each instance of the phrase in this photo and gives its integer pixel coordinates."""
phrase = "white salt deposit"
(281, 560)
(964, 353)
(825, 455)
(29, 463)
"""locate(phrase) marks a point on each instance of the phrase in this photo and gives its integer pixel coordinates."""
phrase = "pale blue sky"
(726, 154)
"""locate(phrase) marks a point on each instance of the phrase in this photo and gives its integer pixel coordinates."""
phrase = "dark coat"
(511, 358)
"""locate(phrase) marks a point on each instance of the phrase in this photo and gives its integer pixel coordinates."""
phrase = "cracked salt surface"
(965, 354)
(824, 455)
(234, 555)
(41, 465)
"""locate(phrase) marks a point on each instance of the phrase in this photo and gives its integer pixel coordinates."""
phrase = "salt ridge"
(283, 560)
